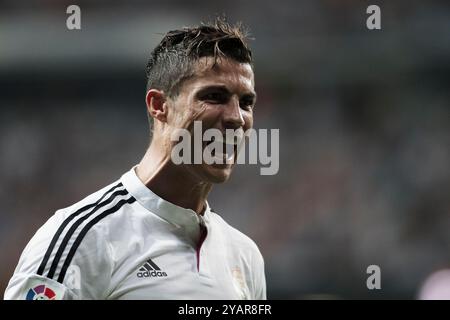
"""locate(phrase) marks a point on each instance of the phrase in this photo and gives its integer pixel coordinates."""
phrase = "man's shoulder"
(108, 199)
(96, 198)
(64, 219)
(94, 216)
(70, 237)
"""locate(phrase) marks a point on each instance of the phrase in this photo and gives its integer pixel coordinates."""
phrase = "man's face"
(221, 97)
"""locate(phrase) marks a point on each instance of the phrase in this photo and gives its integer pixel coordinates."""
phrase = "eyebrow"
(224, 89)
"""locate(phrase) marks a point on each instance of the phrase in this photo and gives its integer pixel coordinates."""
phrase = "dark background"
(364, 119)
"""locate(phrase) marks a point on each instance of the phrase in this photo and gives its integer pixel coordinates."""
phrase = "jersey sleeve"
(259, 277)
(58, 264)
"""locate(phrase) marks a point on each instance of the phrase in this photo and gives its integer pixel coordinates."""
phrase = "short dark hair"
(172, 61)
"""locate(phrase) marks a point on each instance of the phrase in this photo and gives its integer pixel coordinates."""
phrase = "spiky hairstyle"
(172, 61)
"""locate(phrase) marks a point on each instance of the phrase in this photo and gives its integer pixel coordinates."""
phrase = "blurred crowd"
(364, 119)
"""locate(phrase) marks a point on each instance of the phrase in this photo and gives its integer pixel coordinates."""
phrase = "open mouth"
(223, 149)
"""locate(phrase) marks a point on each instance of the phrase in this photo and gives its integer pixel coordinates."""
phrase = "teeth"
(220, 157)
(219, 139)
(229, 141)
(229, 148)
(229, 137)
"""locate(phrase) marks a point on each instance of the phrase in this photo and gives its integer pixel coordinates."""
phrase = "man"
(152, 234)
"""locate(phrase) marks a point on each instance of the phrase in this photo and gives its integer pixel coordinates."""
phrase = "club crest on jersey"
(239, 283)
(150, 269)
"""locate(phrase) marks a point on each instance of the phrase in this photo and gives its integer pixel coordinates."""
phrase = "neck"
(170, 182)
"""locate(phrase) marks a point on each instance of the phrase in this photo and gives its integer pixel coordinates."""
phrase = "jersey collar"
(184, 218)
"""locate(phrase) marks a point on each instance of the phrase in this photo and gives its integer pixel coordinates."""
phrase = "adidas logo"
(150, 269)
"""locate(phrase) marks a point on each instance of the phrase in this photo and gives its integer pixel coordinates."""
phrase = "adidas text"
(148, 274)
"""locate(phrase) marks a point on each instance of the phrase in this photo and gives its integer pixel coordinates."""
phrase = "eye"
(215, 97)
(246, 103)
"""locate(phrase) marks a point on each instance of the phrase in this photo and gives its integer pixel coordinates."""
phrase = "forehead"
(236, 76)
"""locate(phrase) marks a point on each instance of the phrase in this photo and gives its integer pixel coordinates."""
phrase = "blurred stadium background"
(364, 119)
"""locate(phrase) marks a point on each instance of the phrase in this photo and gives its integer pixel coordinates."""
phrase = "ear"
(156, 104)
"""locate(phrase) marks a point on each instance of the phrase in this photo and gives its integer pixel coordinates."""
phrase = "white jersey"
(125, 242)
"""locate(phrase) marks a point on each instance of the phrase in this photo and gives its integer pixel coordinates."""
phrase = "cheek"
(186, 112)
(207, 113)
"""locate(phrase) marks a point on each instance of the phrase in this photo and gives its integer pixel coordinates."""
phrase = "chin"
(216, 174)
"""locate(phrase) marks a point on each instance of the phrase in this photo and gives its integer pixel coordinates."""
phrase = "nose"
(232, 116)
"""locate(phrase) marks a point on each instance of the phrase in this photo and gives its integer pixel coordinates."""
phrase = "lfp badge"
(41, 292)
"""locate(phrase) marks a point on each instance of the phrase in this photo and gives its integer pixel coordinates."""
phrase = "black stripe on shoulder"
(74, 227)
(83, 232)
(65, 223)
